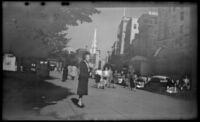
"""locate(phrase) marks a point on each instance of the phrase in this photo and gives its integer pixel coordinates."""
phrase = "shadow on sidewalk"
(26, 91)
(74, 101)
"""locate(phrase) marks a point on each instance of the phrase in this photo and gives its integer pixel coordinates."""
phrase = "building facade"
(174, 44)
(131, 30)
(145, 40)
(127, 30)
(164, 37)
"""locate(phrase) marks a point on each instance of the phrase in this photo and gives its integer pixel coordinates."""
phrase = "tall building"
(144, 42)
(174, 24)
(174, 40)
(132, 29)
(122, 33)
(127, 30)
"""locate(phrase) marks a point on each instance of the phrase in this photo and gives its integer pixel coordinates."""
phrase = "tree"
(33, 31)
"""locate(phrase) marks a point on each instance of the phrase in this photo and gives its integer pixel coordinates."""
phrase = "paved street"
(119, 103)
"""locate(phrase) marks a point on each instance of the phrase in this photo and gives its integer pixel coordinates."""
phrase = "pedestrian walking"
(186, 83)
(83, 78)
(73, 72)
(115, 78)
(105, 76)
(133, 82)
(110, 77)
(65, 72)
(98, 75)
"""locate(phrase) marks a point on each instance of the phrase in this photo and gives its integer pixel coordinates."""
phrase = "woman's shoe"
(81, 106)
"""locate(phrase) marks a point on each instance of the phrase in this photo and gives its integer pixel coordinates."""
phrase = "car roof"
(160, 77)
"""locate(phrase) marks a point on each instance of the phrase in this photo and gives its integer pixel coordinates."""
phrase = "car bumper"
(139, 86)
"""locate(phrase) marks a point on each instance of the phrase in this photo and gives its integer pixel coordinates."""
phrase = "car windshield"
(160, 77)
(140, 80)
(155, 80)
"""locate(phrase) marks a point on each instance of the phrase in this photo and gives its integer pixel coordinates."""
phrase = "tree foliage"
(34, 30)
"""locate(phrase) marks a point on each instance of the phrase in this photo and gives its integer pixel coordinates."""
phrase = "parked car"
(33, 67)
(43, 68)
(9, 62)
(140, 83)
(52, 66)
(158, 83)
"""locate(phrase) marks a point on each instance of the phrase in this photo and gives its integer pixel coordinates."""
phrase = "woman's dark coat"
(83, 79)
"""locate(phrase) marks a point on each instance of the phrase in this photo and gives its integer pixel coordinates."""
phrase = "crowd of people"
(182, 84)
(108, 78)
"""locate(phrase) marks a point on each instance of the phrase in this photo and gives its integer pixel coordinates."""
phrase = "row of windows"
(182, 15)
(135, 26)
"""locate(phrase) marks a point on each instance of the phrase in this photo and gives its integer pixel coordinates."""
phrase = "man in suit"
(83, 78)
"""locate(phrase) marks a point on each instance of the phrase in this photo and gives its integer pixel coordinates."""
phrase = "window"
(182, 15)
(155, 21)
(174, 8)
(174, 18)
(135, 26)
(181, 29)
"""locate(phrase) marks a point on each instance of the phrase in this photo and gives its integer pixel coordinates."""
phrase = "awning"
(138, 58)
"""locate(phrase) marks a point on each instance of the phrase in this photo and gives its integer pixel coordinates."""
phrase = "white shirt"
(99, 72)
(106, 73)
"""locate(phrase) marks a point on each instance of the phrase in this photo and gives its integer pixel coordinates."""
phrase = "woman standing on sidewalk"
(83, 78)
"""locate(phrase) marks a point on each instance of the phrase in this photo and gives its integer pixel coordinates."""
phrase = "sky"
(106, 23)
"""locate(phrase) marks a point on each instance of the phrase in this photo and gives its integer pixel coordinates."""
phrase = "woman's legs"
(80, 100)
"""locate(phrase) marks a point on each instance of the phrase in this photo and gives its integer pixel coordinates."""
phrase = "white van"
(9, 62)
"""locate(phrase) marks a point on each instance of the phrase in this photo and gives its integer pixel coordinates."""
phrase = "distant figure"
(65, 72)
(73, 72)
(83, 78)
(133, 82)
(185, 83)
(69, 70)
(105, 76)
(115, 78)
(98, 75)
(123, 80)
(21, 68)
(170, 83)
(110, 77)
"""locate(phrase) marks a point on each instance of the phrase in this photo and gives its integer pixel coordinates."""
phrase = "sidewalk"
(119, 103)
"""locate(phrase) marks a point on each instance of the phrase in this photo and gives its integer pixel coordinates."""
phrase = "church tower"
(95, 53)
(94, 44)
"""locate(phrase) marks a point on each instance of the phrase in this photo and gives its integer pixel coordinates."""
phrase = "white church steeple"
(94, 45)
